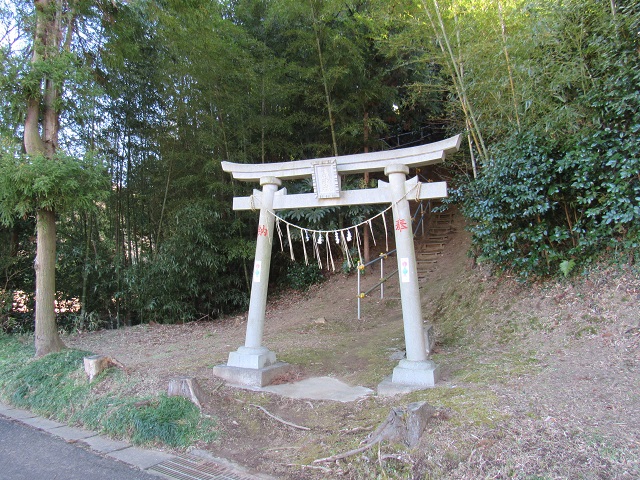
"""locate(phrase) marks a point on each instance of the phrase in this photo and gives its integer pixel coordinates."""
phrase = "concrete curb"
(154, 462)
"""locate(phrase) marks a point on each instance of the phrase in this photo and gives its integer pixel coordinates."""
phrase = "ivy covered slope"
(564, 188)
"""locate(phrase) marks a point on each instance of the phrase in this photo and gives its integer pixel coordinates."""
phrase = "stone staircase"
(430, 245)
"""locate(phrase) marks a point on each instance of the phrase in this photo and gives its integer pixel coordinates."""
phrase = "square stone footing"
(252, 358)
(251, 377)
(424, 374)
(410, 376)
(387, 388)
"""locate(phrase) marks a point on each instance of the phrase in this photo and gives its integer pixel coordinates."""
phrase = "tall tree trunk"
(14, 242)
(456, 75)
(47, 338)
(262, 121)
(41, 129)
(128, 212)
(164, 199)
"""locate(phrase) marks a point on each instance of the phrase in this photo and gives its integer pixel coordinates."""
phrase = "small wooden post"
(96, 364)
(188, 388)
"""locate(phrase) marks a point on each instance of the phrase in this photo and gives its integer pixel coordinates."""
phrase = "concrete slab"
(5, 408)
(42, 423)
(104, 445)
(71, 433)
(140, 458)
(320, 388)
(18, 414)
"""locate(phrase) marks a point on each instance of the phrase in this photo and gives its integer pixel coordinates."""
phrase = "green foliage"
(329, 218)
(568, 190)
(54, 384)
(12, 353)
(199, 271)
(164, 244)
(173, 421)
(566, 267)
(351, 266)
(59, 184)
(11, 109)
(553, 87)
(12, 322)
(16, 271)
(300, 276)
(536, 206)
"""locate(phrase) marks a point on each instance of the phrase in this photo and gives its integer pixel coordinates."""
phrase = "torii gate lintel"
(370, 196)
(255, 365)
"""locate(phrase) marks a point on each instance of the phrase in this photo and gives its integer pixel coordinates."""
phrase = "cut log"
(188, 388)
(96, 364)
(404, 424)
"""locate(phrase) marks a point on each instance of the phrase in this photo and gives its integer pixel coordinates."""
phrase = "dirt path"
(541, 382)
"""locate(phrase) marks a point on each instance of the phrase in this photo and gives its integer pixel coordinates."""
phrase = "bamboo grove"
(147, 97)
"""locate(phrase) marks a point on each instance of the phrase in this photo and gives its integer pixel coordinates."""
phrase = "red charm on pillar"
(401, 224)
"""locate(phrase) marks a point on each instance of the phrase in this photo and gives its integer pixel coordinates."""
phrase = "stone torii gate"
(254, 364)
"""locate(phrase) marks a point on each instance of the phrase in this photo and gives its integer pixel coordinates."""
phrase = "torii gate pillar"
(415, 370)
(254, 364)
(253, 354)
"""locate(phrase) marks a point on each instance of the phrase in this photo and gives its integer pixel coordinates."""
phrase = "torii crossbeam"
(254, 364)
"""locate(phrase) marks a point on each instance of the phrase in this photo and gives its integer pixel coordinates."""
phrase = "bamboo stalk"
(456, 75)
(503, 29)
(460, 79)
(324, 81)
(566, 212)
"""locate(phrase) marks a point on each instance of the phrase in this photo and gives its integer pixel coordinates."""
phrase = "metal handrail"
(382, 256)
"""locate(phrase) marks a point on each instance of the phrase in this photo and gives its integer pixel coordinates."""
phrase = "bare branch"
(278, 418)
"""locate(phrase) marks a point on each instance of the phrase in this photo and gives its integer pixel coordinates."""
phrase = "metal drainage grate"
(189, 467)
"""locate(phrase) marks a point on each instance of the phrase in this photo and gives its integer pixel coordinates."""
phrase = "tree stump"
(96, 364)
(188, 388)
(404, 424)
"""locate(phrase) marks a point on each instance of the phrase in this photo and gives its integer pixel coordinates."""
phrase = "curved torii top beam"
(431, 153)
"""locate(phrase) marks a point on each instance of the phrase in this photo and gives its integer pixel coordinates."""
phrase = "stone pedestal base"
(251, 377)
(424, 374)
(408, 377)
(255, 358)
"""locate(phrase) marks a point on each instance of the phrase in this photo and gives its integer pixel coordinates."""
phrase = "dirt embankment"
(538, 381)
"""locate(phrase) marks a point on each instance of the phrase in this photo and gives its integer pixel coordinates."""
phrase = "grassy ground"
(56, 386)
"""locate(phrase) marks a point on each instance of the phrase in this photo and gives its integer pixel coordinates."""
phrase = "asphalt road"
(30, 454)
